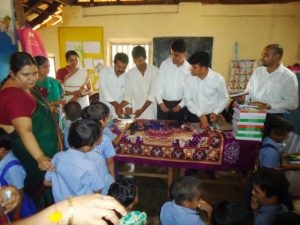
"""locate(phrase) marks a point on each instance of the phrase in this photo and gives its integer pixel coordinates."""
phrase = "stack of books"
(248, 123)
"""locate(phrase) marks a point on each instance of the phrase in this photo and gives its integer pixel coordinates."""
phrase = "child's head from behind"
(187, 191)
(4, 143)
(269, 186)
(125, 192)
(229, 213)
(277, 128)
(72, 110)
(97, 111)
(85, 134)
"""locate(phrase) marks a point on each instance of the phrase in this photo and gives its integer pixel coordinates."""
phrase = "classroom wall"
(252, 26)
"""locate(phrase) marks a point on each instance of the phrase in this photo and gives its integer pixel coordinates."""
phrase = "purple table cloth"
(169, 144)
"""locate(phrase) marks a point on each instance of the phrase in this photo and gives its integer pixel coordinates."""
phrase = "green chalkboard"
(161, 46)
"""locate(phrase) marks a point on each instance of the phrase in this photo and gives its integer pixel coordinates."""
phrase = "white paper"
(91, 47)
(74, 45)
(88, 63)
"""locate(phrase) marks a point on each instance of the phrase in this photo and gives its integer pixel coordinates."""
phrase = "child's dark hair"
(272, 182)
(4, 139)
(278, 125)
(124, 191)
(96, 111)
(84, 132)
(73, 110)
(186, 189)
(200, 58)
(179, 45)
(230, 213)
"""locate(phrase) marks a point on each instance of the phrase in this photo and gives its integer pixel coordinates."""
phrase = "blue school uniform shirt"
(16, 174)
(173, 214)
(109, 133)
(101, 166)
(267, 214)
(269, 155)
(75, 174)
(67, 125)
(105, 147)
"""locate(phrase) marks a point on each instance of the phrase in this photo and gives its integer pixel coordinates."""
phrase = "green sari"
(54, 88)
(44, 129)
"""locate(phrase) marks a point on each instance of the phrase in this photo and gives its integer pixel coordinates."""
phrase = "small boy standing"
(270, 190)
(75, 174)
(72, 112)
(13, 173)
(277, 129)
(100, 112)
(187, 199)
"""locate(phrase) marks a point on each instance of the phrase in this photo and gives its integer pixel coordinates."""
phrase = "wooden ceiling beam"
(35, 5)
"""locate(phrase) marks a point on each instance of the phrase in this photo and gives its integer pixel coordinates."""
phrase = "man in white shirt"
(172, 74)
(273, 86)
(205, 92)
(141, 86)
(112, 80)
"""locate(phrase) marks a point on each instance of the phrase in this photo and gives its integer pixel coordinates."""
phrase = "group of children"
(87, 166)
(269, 194)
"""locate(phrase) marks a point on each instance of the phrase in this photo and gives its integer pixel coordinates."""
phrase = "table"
(170, 144)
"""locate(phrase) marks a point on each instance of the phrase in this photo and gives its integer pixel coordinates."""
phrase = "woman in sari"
(25, 115)
(50, 88)
(77, 83)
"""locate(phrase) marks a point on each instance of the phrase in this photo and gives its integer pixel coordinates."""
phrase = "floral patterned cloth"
(168, 143)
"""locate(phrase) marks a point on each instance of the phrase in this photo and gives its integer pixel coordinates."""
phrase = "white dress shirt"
(139, 89)
(279, 89)
(205, 96)
(111, 88)
(171, 81)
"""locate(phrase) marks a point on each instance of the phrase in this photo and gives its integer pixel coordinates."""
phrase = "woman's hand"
(96, 209)
(9, 201)
(44, 163)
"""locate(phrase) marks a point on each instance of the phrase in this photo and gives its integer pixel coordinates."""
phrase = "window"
(127, 48)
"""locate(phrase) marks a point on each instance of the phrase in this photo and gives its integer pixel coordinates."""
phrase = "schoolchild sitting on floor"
(187, 193)
(75, 174)
(72, 111)
(126, 192)
(230, 213)
(270, 190)
(13, 173)
(276, 130)
(100, 112)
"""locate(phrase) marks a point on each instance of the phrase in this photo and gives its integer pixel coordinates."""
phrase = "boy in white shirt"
(172, 73)
(205, 92)
(141, 86)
